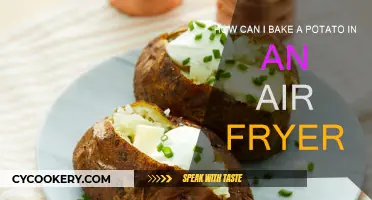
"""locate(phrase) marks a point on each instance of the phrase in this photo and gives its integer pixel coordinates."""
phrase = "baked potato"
(141, 136)
(186, 71)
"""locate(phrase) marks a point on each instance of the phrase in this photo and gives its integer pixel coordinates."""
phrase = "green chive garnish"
(219, 31)
(223, 38)
(84, 197)
(310, 167)
(167, 152)
(285, 193)
(212, 36)
(230, 62)
(212, 28)
(200, 24)
(197, 158)
(222, 74)
(198, 36)
(256, 181)
(191, 25)
(268, 176)
(263, 78)
(207, 59)
(211, 80)
(198, 149)
(160, 147)
(186, 61)
(271, 71)
(225, 75)
(164, 138)
(259, 80)
(167, 129)
(297, 144)
(216, 53)
(250, 98)
(131, 139)
(242, 67)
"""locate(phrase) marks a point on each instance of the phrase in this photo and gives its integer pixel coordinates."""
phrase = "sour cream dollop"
(247, 57)
(182, 141)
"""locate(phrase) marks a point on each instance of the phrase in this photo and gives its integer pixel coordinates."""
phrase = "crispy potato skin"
(114, 153)
(159, 80)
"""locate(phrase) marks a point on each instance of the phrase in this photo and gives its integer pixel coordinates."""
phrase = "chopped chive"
(186, 61)
(198, 36)
(259, 80)
(268, 176)
(219, 71)
(230, 62)
(216, 53)
(160, 147)
(151, 119)
(200, 24)
(167, 152)
(310, 167)
(207, 59)
(285, 193)
(250, 98)
(164, 138)
(198, 149)
(256, 181)
(84, 197)
(263, 78)
(297, 144)
(225, 75)
(131, 139)
(167, 129)
(211, 80)
(197, 158)
(242, 67)
(212, 36)
(271, 71)
(219, 31)
(223, 38)
(212, 28)
(191, 25)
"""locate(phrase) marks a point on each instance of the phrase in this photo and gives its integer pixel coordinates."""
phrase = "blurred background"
(14, 12)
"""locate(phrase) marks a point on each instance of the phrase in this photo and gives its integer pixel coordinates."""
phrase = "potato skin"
(114, 153)
(159, 80)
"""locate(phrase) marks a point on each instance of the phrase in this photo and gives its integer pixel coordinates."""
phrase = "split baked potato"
(141, 136)
(186, 71)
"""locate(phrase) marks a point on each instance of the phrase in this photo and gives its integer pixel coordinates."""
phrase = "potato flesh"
(131, 119)
(147, 138)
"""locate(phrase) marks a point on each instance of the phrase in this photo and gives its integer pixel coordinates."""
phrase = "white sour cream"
(242, 51)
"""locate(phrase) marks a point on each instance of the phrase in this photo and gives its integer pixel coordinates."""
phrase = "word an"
(275, 58)
(295, 97)
(284, 136)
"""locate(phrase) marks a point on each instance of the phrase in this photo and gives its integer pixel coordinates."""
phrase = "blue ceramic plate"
(98, 92)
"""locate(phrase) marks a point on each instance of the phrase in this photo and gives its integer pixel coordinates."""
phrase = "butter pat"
(147, 138)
